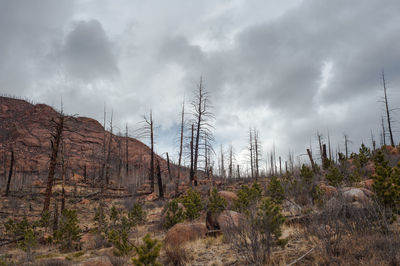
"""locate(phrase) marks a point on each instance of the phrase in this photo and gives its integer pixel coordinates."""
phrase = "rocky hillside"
(27, 127)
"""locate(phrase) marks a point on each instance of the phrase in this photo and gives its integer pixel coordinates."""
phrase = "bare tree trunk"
(251, 153)
(55, 142)
(238, 171)
(383, 132)
(387, 110)
(230, 161)
(169, 168)
(10, 172)
(222, 164)
(191, 159)
(256, 147)
(109, 151)
(103, 166)
(346, 140)
(152, 154)
(311, 160)
(126, 151)
(280, 165)
(159, 181)
(180, 149)
(325, 162)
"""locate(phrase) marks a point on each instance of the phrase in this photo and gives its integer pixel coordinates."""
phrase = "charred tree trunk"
(251, 154)
(311, 160)
(159, 181)
(191, 159)
(169, 168)
(55, 143)
(10, 172)
(387, 110)
(180, 150)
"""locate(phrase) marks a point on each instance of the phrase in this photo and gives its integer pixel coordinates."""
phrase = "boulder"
(229, 219)
(329, 191)
(355, 195)
(184, 232)
(229, 196)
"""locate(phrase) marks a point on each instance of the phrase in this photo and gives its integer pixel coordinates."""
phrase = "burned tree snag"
(55, 143)
(159, 181)
(169, 168)
(387, 110)
(10, 172)
(311, 160)
(180, 149)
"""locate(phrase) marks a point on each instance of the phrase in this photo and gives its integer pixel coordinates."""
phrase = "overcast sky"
(288, 68)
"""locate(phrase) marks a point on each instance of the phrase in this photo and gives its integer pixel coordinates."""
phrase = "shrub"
(119, 240)
(216, 203)
(247, 196)
(173, 214)
(68, 233)
(137, 215)
(275, 190)
(387, 183)
(334, 176)
(24, 232)
(258, 232)
(148, 252)
(193, 204)
(100, 220)
(306, 174)
(114, 215)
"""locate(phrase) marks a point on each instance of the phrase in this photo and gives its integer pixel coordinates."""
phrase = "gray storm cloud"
(87, 52)
(290, 69)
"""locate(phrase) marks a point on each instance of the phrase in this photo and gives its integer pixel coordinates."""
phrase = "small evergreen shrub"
(119, 240)
(334, 176)
(306, 174)
(193, 204)
(173, 214)
(216, 203)
(137, 215)
(68, 233)
(247, 196)
(148, 252)
(275, 190)
(387, 183)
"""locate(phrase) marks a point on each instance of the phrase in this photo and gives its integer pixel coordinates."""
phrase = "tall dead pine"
(55, 143)
(387, 110)
(10, 172)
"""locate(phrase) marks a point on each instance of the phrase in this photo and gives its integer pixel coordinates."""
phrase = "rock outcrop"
(27, 128)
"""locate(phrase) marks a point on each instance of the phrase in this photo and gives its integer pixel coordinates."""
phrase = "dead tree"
(383, 134)
(201, 117)
(251, 149)
(10, 172)
(222, 169)
(64, 166)
(191, 158)
(107, 179)
(159, 181)
(180, 149)
(126, 151)
(257, 153)
(230, 161)
(373, 141)
(312, 161)
(346, 145)
(169, 168)
(56, 137)
(103, 166)
(388, 111)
